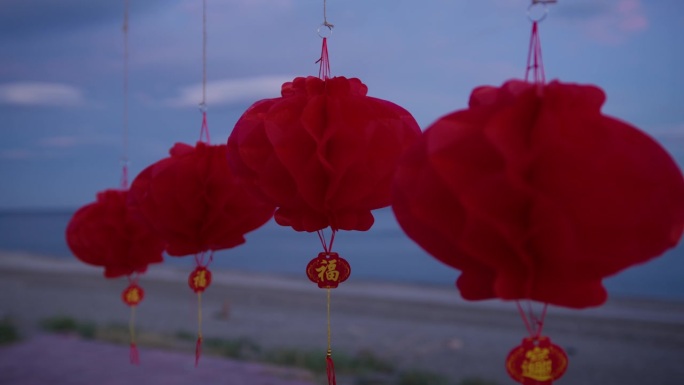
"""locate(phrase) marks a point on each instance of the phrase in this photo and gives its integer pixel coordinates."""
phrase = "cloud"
(40, 94)
(606, 22)
(16, 154)
(70, 141)
(231, 91)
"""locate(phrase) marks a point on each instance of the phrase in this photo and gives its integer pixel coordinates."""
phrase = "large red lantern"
(533, 193)
(536, 195)
(197, 206)
(324, 154)
(109, 233)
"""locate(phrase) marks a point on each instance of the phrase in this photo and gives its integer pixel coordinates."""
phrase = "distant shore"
(626, 342)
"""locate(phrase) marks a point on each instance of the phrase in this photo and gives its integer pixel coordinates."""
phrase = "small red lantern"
(108, 233)
(328, 270)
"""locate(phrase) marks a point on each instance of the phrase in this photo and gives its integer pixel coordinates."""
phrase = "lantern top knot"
(334, 87)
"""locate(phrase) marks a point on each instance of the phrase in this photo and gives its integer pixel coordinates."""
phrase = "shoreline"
(432, 293)
(627, 342)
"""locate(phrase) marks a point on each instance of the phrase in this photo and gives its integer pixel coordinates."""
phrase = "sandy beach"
(625, 342)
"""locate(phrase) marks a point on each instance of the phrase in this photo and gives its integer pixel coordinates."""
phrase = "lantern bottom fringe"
(198, 350)
(330, 370)
(134, 355)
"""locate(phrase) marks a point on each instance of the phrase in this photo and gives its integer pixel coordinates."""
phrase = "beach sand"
(624, 342)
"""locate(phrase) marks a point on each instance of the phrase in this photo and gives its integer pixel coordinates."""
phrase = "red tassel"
(330, 369)
(134, 355)
(198, 350)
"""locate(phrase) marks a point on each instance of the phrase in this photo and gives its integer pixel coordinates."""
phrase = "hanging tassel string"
(133, 354)
(198, 345)
(124, 154)
(329, 364)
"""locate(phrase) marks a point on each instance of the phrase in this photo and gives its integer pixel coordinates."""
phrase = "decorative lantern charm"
(328, 270)
(199, 279)
(536, 361)
(133, 294)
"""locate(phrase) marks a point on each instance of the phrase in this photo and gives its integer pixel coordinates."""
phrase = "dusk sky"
(61, 71)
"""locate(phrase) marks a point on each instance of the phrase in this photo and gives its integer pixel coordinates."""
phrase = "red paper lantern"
(108, 233)
(324, 153)
(195, 203)
(534, 194)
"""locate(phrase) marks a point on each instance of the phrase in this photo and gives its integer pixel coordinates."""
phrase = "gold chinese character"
(200, 279)
(329, 270)
(133, 296)
(321, 270)
(537, 364)
(332, 274)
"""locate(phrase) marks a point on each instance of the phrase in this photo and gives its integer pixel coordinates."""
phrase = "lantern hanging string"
(202, 260)
(533, 323)
(535, 64)
(325, 15)
(204, 131)
(536, 13)
(134, 355)
(330, 365)
(198, 344)
(327, 247)
(324, 31)
(124, 154)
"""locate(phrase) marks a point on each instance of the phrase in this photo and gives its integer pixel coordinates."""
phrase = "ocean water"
(383, 253)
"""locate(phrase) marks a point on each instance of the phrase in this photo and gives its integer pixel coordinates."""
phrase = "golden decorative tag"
(536, 361)
(328, 270)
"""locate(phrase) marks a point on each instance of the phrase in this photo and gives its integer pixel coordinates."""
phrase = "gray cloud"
(40, 94)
